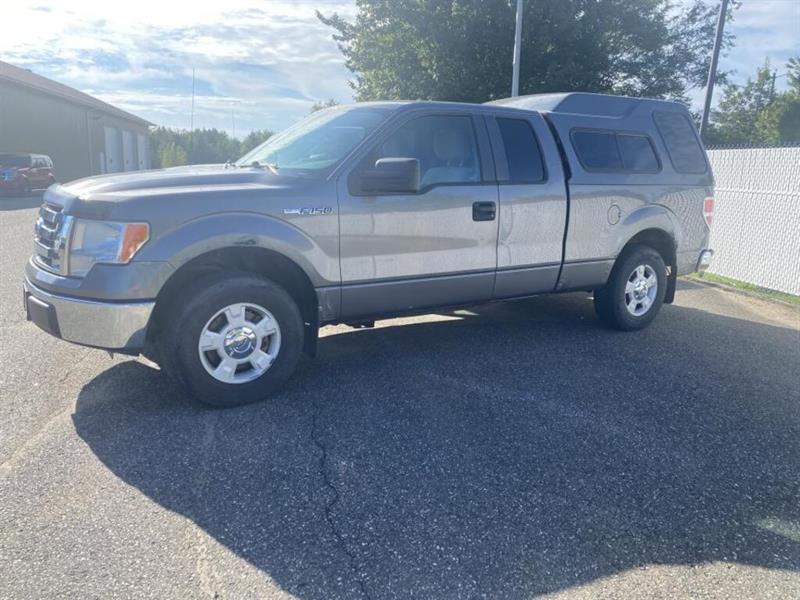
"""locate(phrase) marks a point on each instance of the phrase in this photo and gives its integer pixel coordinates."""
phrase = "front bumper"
(118, 326)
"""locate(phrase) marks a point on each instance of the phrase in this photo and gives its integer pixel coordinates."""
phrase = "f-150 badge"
(308, 210)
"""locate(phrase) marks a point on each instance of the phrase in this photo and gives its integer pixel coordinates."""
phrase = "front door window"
(444, 145)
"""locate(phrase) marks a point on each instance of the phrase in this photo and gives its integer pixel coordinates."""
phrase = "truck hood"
(122, 194)
(122, 184)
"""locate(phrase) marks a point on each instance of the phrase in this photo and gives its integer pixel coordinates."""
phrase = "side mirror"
(390, 175)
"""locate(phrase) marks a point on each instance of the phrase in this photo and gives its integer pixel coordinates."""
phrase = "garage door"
(127, 151)
(113, 162)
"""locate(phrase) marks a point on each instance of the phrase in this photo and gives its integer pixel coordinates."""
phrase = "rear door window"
(637, 153)
(525, 164)
(615, 151)
(679, 137)
(597, 150)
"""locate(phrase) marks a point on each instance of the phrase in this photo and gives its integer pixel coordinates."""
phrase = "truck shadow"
(516, 452)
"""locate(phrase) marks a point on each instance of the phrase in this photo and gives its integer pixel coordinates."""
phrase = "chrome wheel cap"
(239, 343)
(641, 290)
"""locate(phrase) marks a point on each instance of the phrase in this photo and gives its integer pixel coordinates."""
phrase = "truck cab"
(223, 274)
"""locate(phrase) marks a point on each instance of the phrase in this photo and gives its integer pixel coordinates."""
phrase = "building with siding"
(83, 135)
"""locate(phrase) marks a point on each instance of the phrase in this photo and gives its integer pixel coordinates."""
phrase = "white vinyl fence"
(756, 229)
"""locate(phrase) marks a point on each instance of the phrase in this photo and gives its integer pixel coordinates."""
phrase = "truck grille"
(51, 237)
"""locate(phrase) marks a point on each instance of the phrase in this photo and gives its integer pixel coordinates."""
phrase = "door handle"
(484, 211)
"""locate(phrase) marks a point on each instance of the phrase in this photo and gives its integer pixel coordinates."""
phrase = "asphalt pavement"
(511, 451)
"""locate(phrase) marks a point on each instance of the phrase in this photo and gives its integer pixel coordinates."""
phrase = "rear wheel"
(635, 289)
(232, 340)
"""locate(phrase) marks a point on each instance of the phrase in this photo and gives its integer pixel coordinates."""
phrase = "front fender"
(245, 229)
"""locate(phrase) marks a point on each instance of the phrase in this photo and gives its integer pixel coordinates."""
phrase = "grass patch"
(746, 287)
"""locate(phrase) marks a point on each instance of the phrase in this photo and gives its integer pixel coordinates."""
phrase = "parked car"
(23, 173)
(223, 274)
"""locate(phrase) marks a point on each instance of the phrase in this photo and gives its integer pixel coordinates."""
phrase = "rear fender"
(659, 218)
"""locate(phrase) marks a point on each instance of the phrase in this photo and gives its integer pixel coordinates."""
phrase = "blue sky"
(258, 64)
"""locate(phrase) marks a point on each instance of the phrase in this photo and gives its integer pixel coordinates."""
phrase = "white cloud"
(763, 29)
(268, 61)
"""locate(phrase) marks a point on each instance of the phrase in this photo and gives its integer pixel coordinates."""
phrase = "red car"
(23, 173)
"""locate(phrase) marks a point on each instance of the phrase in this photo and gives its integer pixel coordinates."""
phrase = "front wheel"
(234, 340)
(635, 289)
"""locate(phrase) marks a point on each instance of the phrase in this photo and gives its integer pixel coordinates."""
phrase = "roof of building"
(36, 82)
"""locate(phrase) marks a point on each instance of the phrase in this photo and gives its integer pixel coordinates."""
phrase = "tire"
(628, 302)
(239, 341)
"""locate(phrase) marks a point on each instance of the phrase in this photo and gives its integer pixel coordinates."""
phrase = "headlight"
(104, 242)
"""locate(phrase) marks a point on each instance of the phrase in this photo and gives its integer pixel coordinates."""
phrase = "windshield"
(316, 143)
(15, 160)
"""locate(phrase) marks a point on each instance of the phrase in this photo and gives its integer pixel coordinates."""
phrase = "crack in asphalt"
(323, 460)
(51, 418)
(74, 365)
(203, 564)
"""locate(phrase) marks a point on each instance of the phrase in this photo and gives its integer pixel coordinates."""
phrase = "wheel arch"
(256, 260)
(195, 238)
(665, 244)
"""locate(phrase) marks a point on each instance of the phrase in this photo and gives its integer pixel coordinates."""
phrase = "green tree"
(793, 73)
(461, 49)
(207, 146)
(253, 139)
(756, 113)
(789, 114)
(322, 104)
(172, 155)
(198, 147)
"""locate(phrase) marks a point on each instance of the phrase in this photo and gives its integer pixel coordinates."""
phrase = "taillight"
(708, 211)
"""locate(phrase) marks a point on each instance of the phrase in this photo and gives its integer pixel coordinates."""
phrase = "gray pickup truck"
(223, 274)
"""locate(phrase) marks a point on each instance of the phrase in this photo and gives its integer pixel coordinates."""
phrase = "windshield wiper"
(258, 164)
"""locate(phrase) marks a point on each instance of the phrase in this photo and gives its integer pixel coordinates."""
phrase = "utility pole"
(772, 87)
(712, 71)
(774, 90)
(517, 50)
(191, 119)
